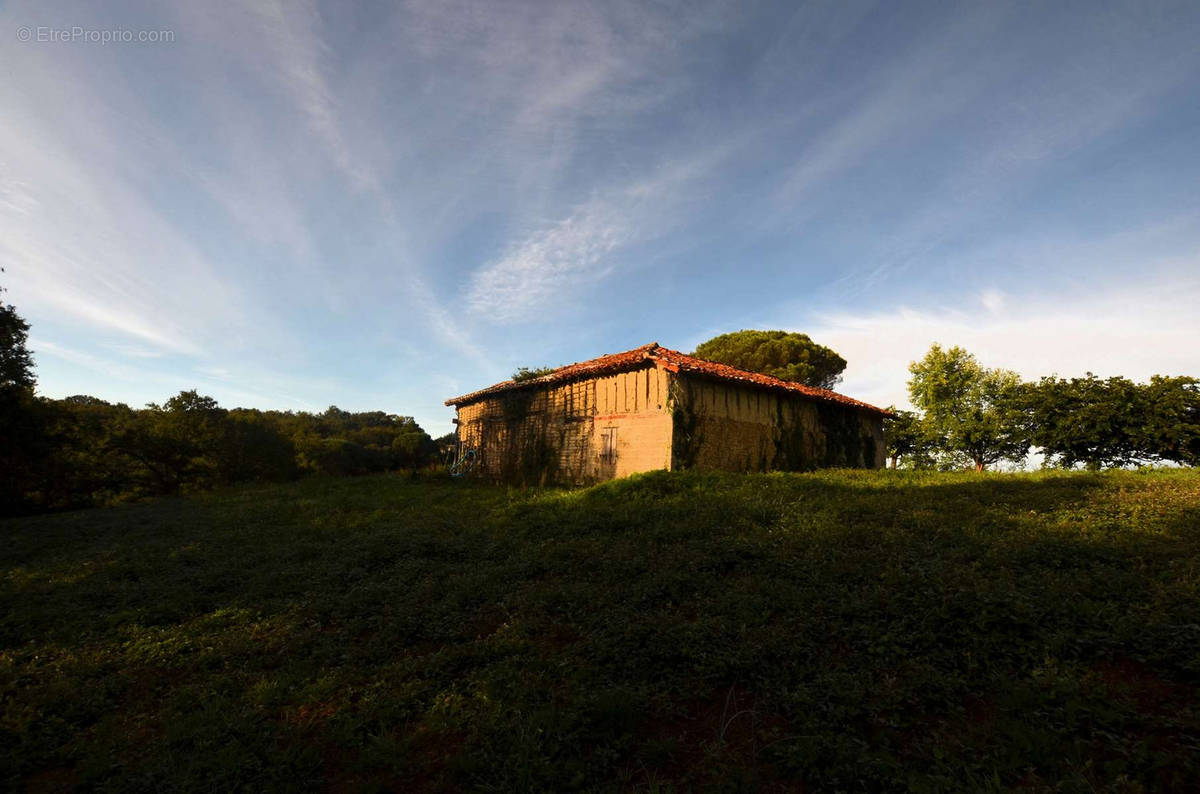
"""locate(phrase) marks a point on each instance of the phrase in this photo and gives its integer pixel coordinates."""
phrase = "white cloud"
(1135, 330)
(992, 300)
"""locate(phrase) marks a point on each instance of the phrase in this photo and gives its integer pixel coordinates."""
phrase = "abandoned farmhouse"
(654, 408)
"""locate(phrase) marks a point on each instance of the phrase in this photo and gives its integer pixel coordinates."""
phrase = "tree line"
(83, 451)
(974, 416)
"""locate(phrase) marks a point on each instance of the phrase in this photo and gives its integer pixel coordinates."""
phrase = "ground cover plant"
(838, 631)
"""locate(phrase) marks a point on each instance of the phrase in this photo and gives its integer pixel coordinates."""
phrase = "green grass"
(826, 632)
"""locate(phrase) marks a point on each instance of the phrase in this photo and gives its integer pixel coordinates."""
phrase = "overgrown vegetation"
(838, 631)
(528, 373)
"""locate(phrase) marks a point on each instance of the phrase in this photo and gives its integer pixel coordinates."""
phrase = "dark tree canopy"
(16, 365)
(24, 445)
(780, 354)
(1172, 430)
(82, 451)
(907, 440)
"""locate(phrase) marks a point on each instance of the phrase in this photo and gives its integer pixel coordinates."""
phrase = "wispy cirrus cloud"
(281, 47)
(1092, 95)
(549, 266)
(916, 90)
(73, 234)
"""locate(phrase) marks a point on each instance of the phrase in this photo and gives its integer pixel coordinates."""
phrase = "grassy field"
(836, 631)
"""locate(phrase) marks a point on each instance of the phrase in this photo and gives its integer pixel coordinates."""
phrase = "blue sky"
(291, 205)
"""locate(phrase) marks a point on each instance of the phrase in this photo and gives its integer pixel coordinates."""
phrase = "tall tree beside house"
(412, 446)
(971, 410)
(780, 354)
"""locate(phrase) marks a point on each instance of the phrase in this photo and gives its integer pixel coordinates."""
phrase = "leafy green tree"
(780, 354)
(906, 439)
(16, 364)
(337, 456)
(25, 450)
(412, 446)
(86, 468)
(1171, 430)
(177, 443)
(254, 448)
(340, 442)
(1085, 421)
(1114, 421)
(969, 409)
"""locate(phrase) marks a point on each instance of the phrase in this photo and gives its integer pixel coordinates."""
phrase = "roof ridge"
(675, 361)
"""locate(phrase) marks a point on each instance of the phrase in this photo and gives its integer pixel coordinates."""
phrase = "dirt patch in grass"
(1151, 694)
(704, 740)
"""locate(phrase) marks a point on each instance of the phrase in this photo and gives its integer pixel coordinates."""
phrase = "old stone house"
(654, 408)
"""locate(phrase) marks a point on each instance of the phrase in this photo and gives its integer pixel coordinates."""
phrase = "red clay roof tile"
(674, 361)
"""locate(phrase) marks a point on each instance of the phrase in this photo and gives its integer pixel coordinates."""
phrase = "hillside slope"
(833, 631)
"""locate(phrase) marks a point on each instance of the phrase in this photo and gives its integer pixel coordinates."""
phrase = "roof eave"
(781, 388)
(550, 378)
(661, 357)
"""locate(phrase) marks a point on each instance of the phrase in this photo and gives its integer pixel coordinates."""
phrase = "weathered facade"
(654, 408)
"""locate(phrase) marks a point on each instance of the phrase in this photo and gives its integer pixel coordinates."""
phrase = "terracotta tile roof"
(673, 361)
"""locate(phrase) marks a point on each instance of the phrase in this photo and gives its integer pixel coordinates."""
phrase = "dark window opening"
(608, 444)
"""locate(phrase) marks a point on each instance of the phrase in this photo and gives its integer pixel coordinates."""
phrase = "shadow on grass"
(852, 630)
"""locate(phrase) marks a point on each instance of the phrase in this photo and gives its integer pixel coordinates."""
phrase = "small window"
(608, 444)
